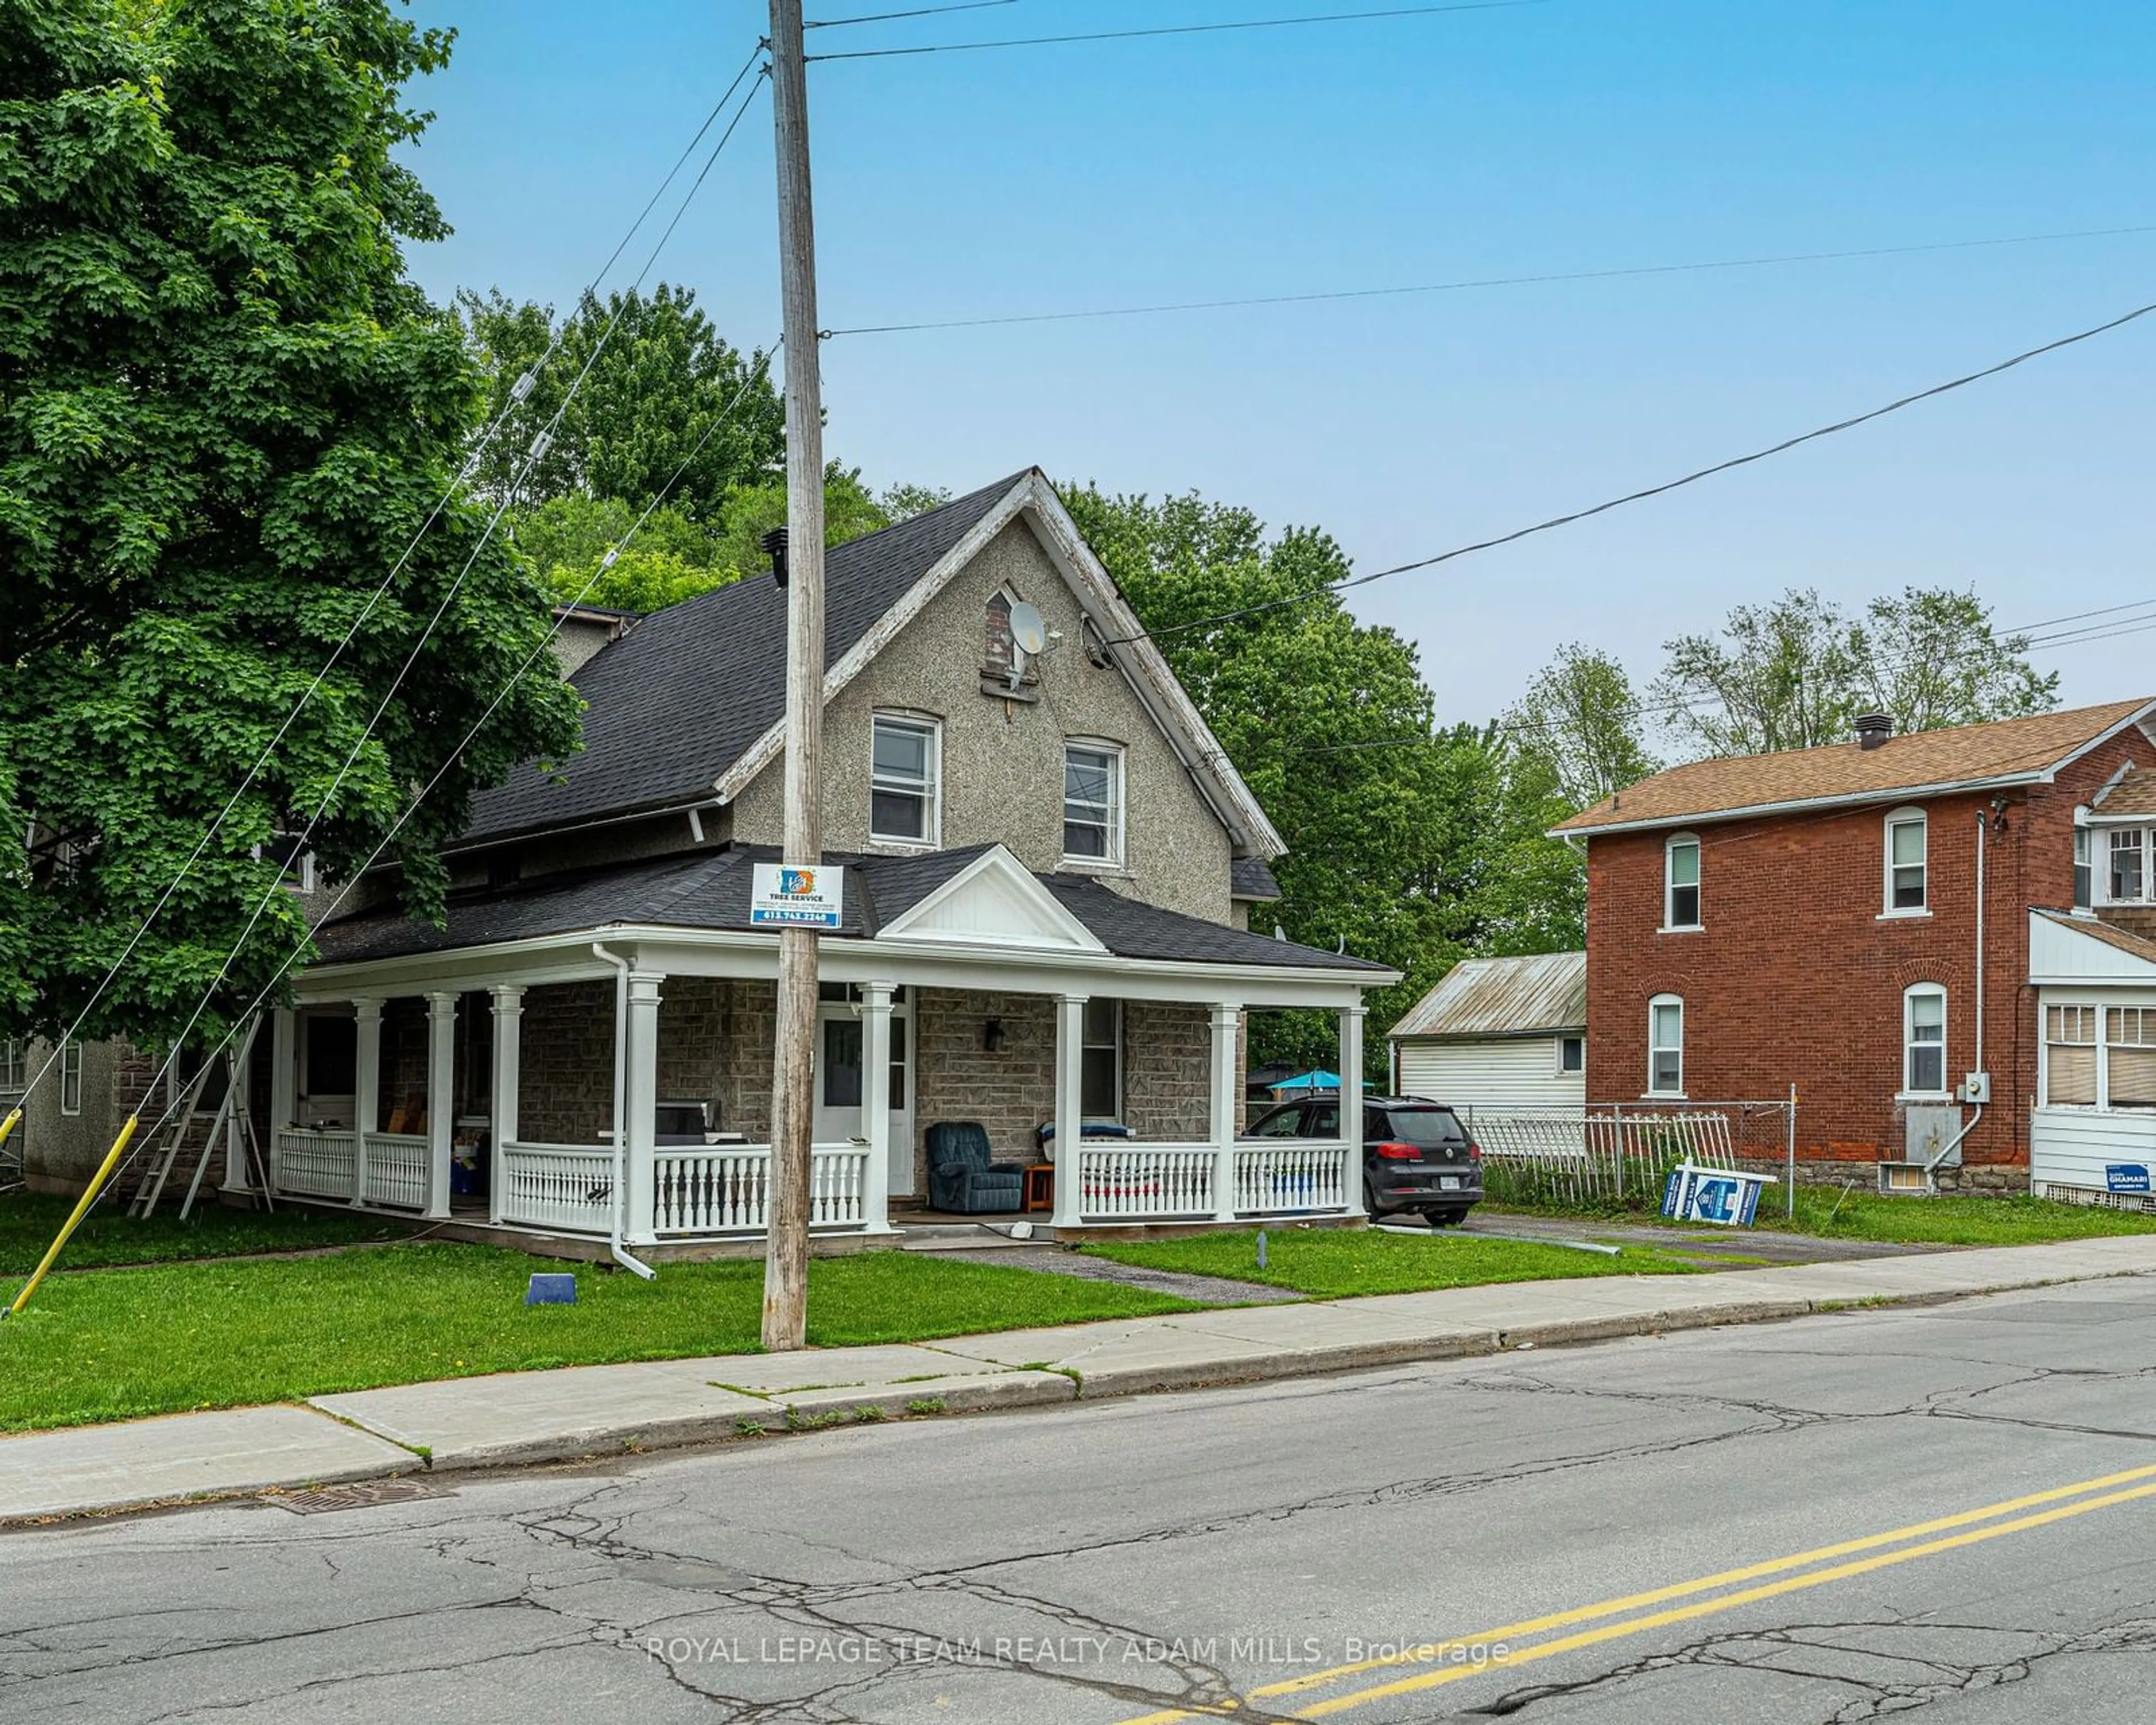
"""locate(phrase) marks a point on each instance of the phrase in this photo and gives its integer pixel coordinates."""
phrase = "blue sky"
(1575, 135)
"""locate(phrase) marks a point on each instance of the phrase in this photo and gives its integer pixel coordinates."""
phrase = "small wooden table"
(1039, 1186)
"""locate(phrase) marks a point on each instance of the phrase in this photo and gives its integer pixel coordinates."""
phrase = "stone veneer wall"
(1167, 1071)
(1010, 1091)
(566, 1065)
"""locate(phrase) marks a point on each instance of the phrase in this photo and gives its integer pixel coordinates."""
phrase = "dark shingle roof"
(710, 889)
(674, 701)
(1251, 877)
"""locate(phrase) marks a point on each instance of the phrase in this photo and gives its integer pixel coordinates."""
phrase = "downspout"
(620, 1109)
(1954, 1143)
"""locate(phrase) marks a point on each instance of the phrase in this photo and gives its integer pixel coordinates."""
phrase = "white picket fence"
(1597, 1154)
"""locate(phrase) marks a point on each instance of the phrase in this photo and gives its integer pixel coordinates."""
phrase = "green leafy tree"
(224, 412)
(1794, 673)
(850, 510)
(1929, 657)
(1576, 735)
(671, 558)
(658, 378)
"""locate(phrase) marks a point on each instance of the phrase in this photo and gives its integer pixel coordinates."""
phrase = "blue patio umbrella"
(1309, 1081)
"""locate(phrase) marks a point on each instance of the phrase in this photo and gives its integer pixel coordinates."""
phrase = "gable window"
(1665, 1046)
(2084, 883)
(2125, 885)
(2070, 1056)
(1100, 1073)
(1907, 865)
(906, 758)
(2129, 1057)
(1924, 1040)
(1681, 882)
(1571, 1053)
(71, 1077)
(1092, 802)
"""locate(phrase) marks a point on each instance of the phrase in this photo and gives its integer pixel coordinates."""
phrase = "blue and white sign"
(796, 896)
(1721, 1196)
(2126, 1176)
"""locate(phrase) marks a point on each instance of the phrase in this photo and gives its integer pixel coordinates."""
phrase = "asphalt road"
(1950, 1510)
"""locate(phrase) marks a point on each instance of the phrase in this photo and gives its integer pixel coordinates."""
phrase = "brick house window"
(1906, 864)
(1681, 882)
(1924, 1040)
(905, 768)
(2084, 872)
(1100, 1072)
(71, 1077)
(2129, 1057)
(2070, 1056)
(1092, 802)
(2125, 885)
(1665, 1046)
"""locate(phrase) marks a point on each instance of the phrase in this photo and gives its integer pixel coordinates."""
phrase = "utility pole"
(792, 1103)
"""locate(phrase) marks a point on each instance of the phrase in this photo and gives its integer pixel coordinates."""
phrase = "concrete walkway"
(585, 1410)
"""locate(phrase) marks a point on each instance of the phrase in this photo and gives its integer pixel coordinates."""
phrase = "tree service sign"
(790, 896)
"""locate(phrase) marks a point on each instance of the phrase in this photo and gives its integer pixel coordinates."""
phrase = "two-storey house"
(1048, 863)
(1939, 939)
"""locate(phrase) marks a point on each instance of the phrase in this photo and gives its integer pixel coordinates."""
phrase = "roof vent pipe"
(1873, 729)
(773, 545)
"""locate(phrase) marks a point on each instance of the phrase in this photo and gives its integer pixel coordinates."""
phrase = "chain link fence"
(1617, 1157)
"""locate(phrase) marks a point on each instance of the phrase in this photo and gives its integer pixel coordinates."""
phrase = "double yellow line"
(1972, 1527)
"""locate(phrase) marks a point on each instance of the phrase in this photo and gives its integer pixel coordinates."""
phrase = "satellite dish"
(1028, 631)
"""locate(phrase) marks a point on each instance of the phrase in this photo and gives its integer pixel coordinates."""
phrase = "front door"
(842, 1083)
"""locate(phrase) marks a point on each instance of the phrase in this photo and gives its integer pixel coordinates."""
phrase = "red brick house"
(1899, 926)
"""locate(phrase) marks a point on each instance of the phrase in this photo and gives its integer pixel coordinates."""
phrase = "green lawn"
(1825, 1213)
(116, 1345)
(1330, 1263)
(108, 1235)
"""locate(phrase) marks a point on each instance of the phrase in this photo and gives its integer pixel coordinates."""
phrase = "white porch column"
(1069, 1119)
(508, 1075)
(640, 1098)
(1227, 1020)
(875, 1055)
(366, 1090)
(284, 1081)
(1351, 1104)
(441, 1097)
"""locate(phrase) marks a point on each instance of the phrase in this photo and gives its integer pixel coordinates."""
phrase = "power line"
(878, 17)
(1641, 496)
(470, 466)
(1260, 23)
(1329, 296)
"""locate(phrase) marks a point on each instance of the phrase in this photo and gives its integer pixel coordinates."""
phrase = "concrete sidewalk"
(584, 1410)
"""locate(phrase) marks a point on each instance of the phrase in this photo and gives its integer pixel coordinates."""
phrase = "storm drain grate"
(363, 1494)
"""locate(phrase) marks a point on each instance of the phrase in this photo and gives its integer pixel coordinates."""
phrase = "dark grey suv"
(1416, 1155)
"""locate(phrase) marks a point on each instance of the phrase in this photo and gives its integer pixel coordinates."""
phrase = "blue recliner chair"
(962, 1177)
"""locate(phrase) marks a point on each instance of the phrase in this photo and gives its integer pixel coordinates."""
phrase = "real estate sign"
(790, 895)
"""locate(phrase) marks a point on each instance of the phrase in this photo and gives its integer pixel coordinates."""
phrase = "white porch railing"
(568, 1187)
(396, 1170)
(726, 1189)
(316, 1164)
(1283, 1176)
(1120, 1181)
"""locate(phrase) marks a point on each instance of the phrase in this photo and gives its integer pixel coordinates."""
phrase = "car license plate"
(1448, 1183)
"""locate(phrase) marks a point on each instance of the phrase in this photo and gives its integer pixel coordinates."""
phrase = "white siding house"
(2092, 1133)
(1499, 1033)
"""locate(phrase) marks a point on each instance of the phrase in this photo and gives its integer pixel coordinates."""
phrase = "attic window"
(996, 660)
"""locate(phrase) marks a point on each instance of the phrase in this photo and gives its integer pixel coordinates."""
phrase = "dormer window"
(1681, 882)
(2084, 871)
(1908, 863)
(2127, 880)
